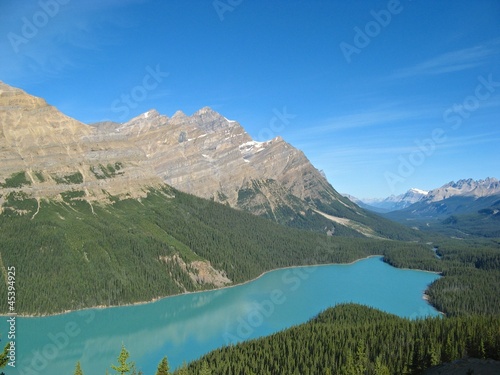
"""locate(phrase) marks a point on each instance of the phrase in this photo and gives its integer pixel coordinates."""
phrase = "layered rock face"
(204, 154)
(58, 153)
(34, 133)
(209, 156)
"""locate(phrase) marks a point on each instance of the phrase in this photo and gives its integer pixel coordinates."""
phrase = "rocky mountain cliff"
(212, 157)
(57, 153)
(46, 153)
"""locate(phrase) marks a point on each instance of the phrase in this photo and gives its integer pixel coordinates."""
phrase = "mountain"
(461, 197)
(47, 153)
(467, 206)
(466, 188)
(109, 213)
(394, 202)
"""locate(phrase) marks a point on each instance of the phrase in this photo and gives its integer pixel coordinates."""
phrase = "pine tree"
(361, 358)
(482, 350)
(380, 368)
(163, 367)
(4, 357)
(183, 370)
(78, 369)
(434, 356)
(349, 368)
(124, 367)
(205, 370)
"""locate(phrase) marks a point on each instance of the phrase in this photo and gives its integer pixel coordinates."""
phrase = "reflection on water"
(187, 326)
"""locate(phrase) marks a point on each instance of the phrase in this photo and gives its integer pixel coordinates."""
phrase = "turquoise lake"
(187, 326)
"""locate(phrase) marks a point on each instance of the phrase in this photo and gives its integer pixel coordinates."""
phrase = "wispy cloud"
(377, 117)
(365, 119)
(383, 150)
(54, 47)
(461, 143)
(453, 61)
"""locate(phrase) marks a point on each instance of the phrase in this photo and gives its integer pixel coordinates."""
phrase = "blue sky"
(381, 95)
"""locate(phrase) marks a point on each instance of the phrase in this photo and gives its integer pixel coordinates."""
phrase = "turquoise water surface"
(187, 326)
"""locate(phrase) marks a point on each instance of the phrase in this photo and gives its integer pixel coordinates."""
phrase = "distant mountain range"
(466, 206)
(392, 203)
(466, 188)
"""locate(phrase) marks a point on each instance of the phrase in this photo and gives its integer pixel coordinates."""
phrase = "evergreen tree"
(78, 369)
(205, 370)
(124, 367)
(163, 367)
(361, 358)
(434, 355)
(4, 357)
(349, 366)
(380, 368)
(183, 370)
(482, 350)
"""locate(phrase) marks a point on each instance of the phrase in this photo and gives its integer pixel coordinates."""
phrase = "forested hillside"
(471, 270)
(352, 340)
(69, 254)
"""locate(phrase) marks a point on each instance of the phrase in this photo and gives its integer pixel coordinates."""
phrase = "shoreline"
(156, 299)
(416, 269)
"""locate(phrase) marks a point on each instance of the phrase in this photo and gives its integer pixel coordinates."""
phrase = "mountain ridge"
(204, 154)
(466, 187)
(393, 202)
(462, 208)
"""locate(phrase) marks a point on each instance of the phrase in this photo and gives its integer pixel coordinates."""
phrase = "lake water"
(188, 326)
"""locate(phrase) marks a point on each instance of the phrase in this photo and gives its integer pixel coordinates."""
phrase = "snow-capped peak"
(419, 191)
(252, 144)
